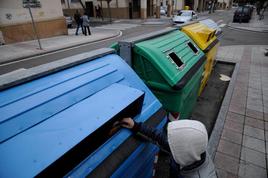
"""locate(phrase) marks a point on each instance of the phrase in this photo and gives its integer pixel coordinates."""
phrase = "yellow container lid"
(201, 34)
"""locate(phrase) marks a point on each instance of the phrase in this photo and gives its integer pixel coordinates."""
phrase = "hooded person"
(186, 142)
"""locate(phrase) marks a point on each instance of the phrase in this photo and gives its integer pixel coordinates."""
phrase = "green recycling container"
(116, 47)
(172, 66)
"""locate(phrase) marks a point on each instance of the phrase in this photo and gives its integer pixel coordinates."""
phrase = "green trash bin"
(116, 47)
(171, 65)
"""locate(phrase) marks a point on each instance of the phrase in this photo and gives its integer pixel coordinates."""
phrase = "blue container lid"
(44, 118)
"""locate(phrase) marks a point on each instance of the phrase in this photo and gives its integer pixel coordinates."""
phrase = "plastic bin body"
(211, 54)
(205, 38)
(175, 87)
(116, 47)
(49, 121)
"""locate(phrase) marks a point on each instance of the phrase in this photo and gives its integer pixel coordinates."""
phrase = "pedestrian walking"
(78, 21)
(264, 6)
(258, 7)
(215, 2)
(209, 7)
(97, 12)
(100, 12)
(186, 143)
(86, 24)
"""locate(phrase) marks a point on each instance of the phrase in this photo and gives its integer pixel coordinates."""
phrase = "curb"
(249, 30)
(215, 136)
(119, 33)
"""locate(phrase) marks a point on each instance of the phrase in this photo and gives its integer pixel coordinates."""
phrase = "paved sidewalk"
(243, 147)
(254, 25)
(26, 49)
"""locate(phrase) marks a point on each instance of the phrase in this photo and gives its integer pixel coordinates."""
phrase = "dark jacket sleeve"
(153, 135)
(159, 138)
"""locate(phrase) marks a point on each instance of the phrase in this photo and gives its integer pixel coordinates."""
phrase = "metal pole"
(34, 27)
(69, 4)
(101, 11)
(109, 9)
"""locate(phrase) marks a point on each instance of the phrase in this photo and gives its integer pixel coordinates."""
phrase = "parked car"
(69, 21)
(235, 5)
(242, 14)
(163, 10)
(251, 7)
(184, 16)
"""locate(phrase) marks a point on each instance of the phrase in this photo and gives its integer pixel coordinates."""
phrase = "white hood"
(187, 140)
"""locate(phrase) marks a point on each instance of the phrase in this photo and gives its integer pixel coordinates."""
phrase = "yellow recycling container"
(206, 39)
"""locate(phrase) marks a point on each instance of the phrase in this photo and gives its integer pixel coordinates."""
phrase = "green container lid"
(174, 55)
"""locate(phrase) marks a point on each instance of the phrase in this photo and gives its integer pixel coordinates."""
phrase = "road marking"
(219, 21)
(60, 50)
(122, 26)
(222, 25)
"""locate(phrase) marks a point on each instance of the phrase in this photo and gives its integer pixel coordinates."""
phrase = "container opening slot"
(192, 46)
(176, 59)
(91, 143)
(213, 34)
(209, 37)
(124, 151)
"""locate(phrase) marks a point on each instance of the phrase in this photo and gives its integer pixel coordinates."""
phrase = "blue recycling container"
(58, 120)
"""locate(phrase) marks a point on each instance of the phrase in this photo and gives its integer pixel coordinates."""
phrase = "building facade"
(131, 9)
(16, 24)
(123, 9)
(224, 4)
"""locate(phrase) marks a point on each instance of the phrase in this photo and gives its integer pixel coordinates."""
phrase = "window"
(185, 13)
(240, 9)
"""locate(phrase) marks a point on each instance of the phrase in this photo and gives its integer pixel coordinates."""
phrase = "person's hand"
(127, 123)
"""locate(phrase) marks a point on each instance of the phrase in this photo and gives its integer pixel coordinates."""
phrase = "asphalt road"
(236, 37)
(42, 59)
(230, 37)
